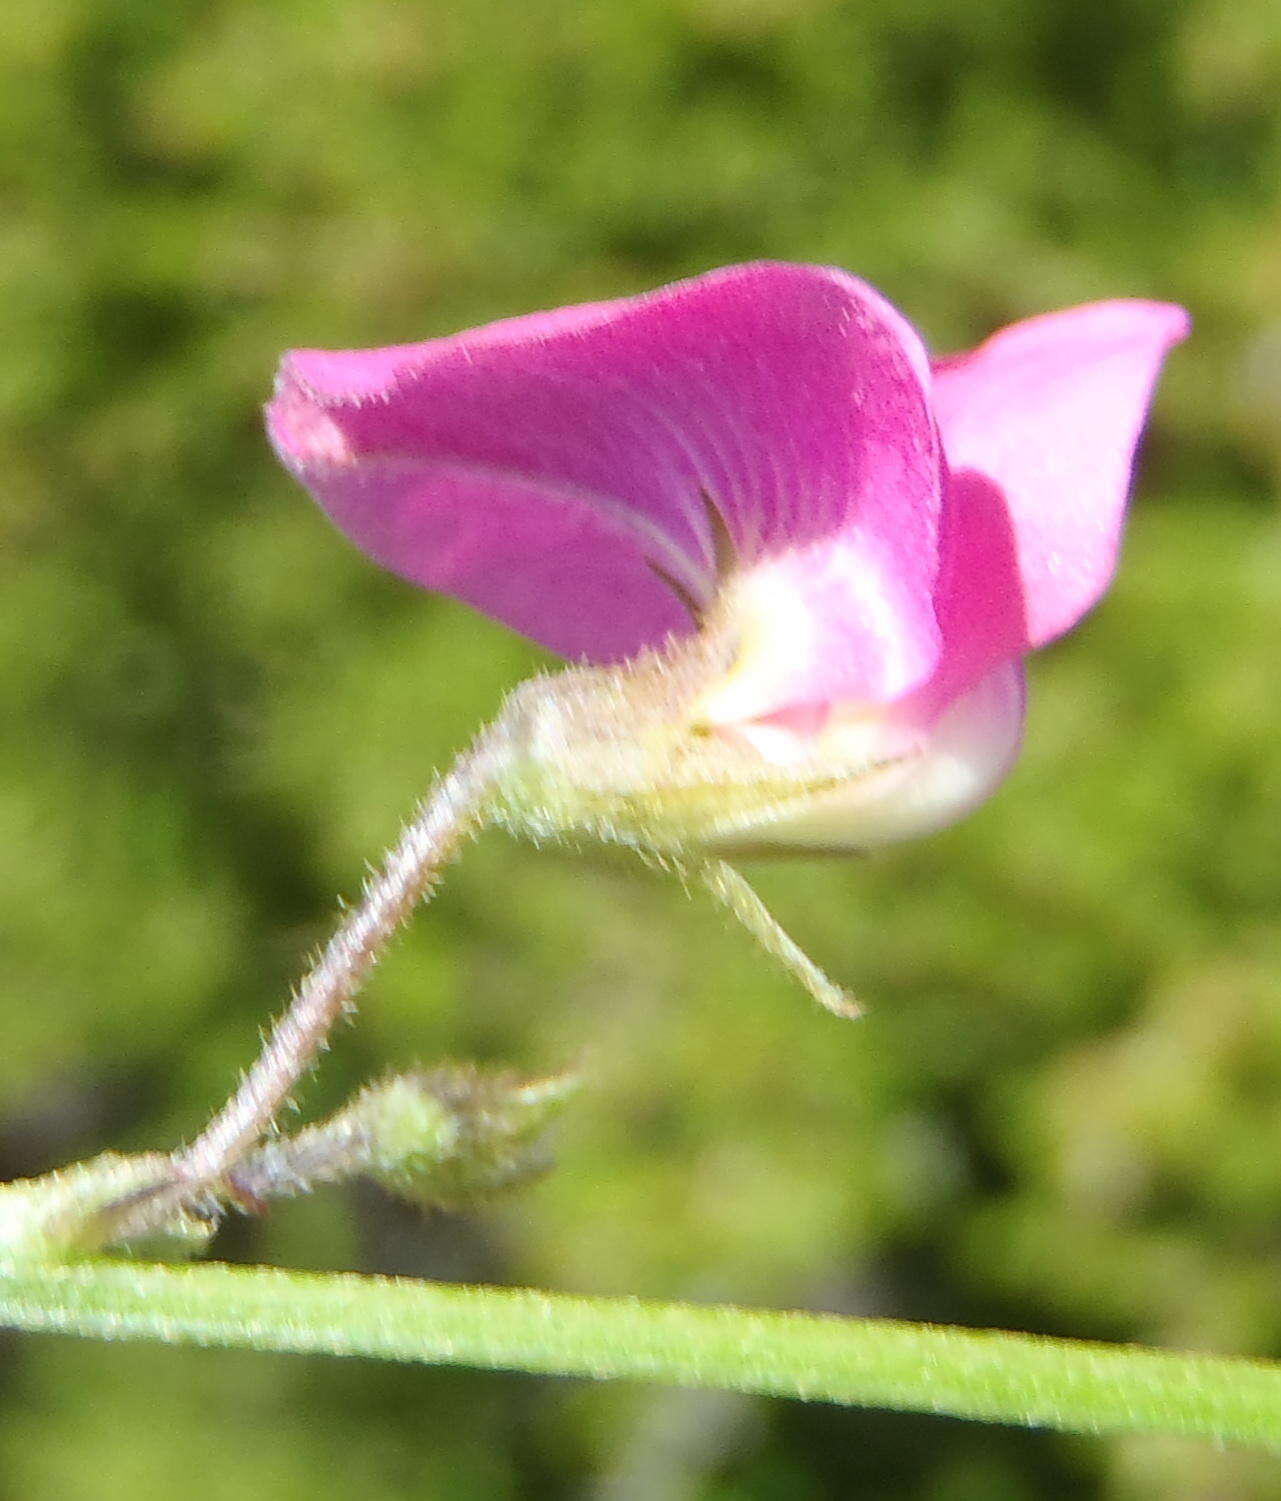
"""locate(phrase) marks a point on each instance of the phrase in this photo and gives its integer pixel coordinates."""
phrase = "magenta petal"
(557, 470)
(499, 541)
(1039, 428)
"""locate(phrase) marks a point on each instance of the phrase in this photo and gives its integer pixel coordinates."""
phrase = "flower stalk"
(452, 811)
(592, 753)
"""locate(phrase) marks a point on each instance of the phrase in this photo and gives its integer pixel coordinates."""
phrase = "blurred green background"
(1064, 1112)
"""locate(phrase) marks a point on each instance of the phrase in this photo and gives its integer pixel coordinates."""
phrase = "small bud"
(490, 1136)
(446, 1136)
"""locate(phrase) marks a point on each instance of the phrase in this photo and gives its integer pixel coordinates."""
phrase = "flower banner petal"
(780, 404)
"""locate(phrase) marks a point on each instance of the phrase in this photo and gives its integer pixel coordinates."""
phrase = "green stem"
(1009, 1378)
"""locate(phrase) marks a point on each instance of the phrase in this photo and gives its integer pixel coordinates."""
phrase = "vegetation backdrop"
(1064, 1110)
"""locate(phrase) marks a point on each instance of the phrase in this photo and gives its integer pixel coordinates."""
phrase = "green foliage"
(1062, 1110)
(1071, 1385)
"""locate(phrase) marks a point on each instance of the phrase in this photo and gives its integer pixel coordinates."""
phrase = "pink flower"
(768, 453)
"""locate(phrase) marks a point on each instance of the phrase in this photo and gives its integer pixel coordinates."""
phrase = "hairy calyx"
(627, 755)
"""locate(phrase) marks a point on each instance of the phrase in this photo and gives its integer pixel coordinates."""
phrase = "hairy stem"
(454, 808)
